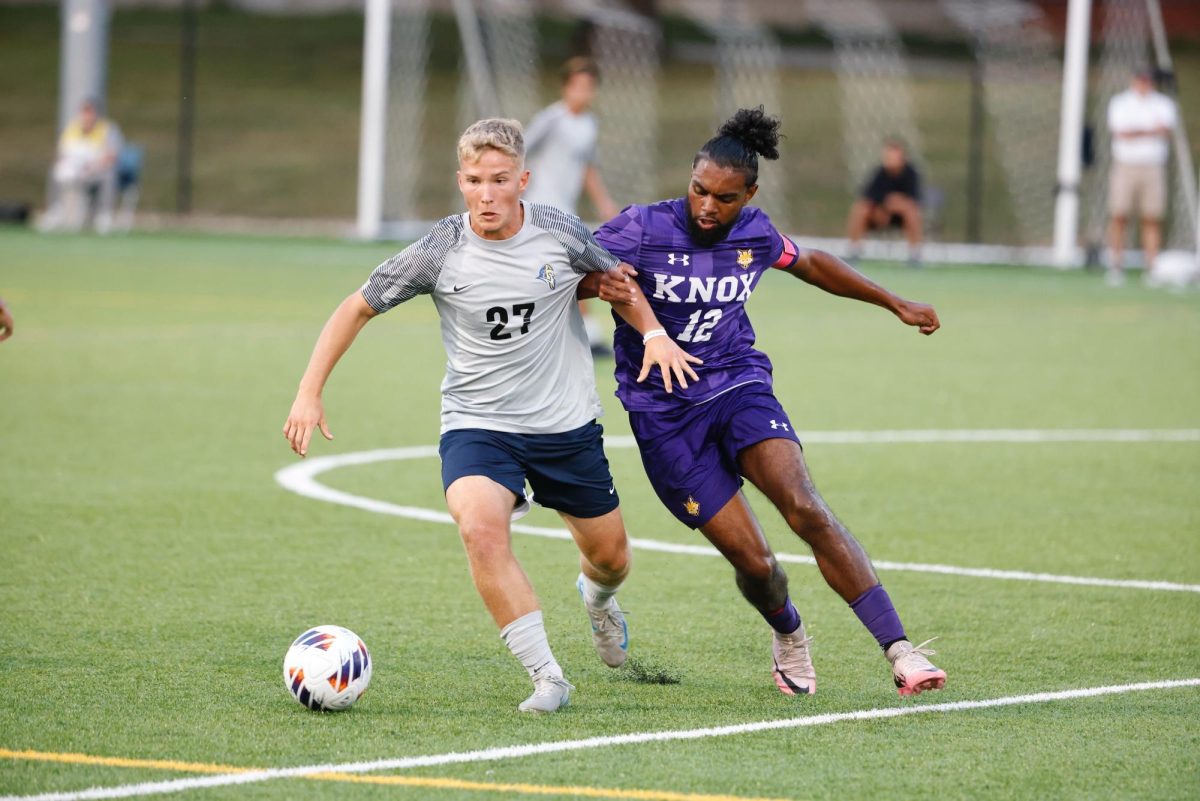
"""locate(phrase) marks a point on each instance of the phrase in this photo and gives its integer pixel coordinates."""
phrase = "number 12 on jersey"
(697, 331)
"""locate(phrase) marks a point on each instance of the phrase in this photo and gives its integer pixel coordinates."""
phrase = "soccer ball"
(327, 667)
(1176, 268)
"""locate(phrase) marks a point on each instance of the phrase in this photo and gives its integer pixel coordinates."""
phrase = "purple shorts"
(691, 453)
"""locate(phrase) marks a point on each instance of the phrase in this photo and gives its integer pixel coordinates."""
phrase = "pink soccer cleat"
(794, 673)
(912, 670)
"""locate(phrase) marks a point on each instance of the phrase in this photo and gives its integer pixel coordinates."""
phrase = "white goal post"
(1067, 250)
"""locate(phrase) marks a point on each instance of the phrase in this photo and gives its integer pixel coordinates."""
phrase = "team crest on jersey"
(744, 258)
(546, 273)
(692, 506)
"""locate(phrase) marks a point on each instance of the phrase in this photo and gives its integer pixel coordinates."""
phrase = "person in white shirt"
(560, 146)
(1140, 121)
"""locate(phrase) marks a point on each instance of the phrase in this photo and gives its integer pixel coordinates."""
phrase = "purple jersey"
(699, 295)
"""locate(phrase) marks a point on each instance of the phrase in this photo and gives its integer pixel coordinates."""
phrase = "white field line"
(301, 478)
(532, 749)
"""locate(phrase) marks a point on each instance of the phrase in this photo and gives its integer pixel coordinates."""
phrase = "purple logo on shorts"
(692, 506)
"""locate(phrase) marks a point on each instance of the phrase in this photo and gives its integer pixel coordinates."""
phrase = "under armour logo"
(775, 425)
(683, 259)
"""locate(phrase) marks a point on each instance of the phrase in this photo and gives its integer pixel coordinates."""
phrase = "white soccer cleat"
(912, 670)
(550, 694)
(794, 673)
(610, 633)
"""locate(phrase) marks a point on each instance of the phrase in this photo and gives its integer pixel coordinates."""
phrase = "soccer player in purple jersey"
(698, 258)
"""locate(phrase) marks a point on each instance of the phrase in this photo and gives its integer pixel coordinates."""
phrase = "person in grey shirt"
(519, 396)
(560, 146)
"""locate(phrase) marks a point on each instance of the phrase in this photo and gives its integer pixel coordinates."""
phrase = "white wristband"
(652, 333)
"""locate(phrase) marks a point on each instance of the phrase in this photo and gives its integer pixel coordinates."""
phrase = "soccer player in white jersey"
(519, 397)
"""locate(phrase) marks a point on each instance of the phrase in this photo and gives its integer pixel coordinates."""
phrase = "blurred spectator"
(892, 198)
(84, 177)
(560, 153)
(1140, 122)
(560, 145)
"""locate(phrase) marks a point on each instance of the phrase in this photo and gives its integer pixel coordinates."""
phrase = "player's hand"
(671, 359)
(921, 315)
(6, 322)
(307, 414)
(616, 285)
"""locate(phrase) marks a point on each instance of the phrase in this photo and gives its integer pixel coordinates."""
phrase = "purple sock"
(785, 619)
(874, 608)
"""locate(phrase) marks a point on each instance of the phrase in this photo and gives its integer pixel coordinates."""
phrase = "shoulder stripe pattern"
(585, 253)
(414, 270)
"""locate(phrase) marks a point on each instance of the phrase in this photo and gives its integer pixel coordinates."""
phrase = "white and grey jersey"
(559, 147)
(517, 354)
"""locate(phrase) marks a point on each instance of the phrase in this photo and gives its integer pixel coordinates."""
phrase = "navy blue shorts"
(691, 454)
(568, 472)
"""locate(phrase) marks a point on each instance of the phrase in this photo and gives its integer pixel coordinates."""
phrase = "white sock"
(596, 595)
(526, 638)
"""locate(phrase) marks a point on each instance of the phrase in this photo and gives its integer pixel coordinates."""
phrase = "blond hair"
(495, 133)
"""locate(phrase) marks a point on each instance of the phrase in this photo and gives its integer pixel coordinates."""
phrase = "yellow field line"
(122, 762)
(531, 789)
(437, 782)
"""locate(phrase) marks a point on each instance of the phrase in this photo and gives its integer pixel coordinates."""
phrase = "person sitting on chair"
(890, 199)
(85, 169)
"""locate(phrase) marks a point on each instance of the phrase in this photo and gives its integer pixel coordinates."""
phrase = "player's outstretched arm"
(593, 184)
(618, 288)
(828, 272)
(336, 337)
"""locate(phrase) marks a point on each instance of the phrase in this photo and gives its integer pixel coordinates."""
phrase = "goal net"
(980, 116)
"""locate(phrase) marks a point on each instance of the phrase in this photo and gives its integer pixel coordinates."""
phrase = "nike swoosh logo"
(612, 491)
(458, 288)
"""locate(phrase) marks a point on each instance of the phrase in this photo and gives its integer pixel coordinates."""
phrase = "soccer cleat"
(1114, 278)
(550, 694)
(912, 670)
(610, 634)
(794, 673)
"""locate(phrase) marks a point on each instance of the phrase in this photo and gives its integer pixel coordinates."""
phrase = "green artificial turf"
(154, 572)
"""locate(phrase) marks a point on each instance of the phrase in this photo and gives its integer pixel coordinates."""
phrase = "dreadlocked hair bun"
(754, 129)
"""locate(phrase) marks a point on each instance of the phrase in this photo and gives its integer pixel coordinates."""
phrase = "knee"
(611, 557)
(759, 571)
(805, 513)
(484, 541)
